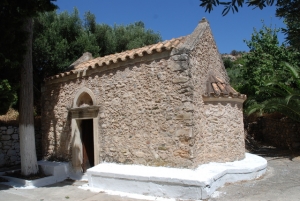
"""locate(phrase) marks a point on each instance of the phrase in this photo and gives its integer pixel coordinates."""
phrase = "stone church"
(168, 104)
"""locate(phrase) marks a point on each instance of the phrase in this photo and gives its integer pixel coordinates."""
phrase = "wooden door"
(87, 143)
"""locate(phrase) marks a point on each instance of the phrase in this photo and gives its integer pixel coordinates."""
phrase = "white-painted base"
(57, 171)
(174, 182)
(62, 170)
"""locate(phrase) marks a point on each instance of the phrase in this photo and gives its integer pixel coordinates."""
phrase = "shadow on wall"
(52, 126)
(76, 147)
(58, 141)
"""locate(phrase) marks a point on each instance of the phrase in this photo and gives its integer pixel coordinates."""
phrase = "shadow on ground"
(275, 153)
(4, 187)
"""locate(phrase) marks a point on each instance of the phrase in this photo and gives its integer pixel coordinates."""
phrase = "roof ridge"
(122, 56)
(81, 65)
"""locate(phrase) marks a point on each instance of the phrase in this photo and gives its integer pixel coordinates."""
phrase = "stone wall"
(275, 132)
(140, 114)
(223, 132)
(10, 146)
(150, 112)
(218, 128)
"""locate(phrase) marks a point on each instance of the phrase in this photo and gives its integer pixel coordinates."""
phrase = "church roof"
(119, 57)
(217, 88)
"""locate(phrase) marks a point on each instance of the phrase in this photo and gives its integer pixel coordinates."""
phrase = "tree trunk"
(26, 122)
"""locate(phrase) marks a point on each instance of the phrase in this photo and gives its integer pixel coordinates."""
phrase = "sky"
(175, 18)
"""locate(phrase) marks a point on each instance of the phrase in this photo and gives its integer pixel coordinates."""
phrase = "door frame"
(86, 112)
(75, 124)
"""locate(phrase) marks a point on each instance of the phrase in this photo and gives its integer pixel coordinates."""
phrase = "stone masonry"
(150, 106)
(10, 145)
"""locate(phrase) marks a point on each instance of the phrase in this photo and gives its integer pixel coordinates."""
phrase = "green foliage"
(8, 96)
(271, 84)
(284, 98)
(234, 75)
(120, 37)
(236, 53)
(289, 10)
(233, 68)
(264, 62)
(12, 39)
(227, 63)
(233, 5)
(58, 40)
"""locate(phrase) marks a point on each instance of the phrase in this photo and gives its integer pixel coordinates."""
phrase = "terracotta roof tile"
(122, 56)
(131, 54)
(216, 87)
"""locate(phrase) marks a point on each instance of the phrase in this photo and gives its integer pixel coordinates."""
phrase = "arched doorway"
(84, 113)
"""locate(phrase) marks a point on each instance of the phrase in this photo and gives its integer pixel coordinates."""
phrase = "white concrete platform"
(61, 170)
(174, 182)
(57, 171)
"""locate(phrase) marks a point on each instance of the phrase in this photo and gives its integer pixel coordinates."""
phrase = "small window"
(84, 100)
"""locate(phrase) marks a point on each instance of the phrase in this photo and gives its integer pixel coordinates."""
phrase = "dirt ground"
(281, 181)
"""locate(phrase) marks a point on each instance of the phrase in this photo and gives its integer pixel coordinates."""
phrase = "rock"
(183, 116)
(2, 160)
(179, 66)
(185, 99)
(156, 156)
(15, 136)
(3, 128)
(181, 57)
(140, 161)
(180, 79)
(5, 137)
(182, 153)
(187, 85)
(187, 106)
(15, 159)
(17, 146)
(11, 152)
(9, 131)
(6, 147)
(163, 155)
(162, 147)
(85, 57)
(161, 76)
(134, 124)
(7, 143)
(139, 154)
(187, 132)
(102, 115)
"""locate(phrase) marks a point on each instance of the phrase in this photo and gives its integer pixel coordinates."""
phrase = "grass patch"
(10, 118)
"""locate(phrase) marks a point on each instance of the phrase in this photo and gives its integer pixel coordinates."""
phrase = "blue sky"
(175, 18)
